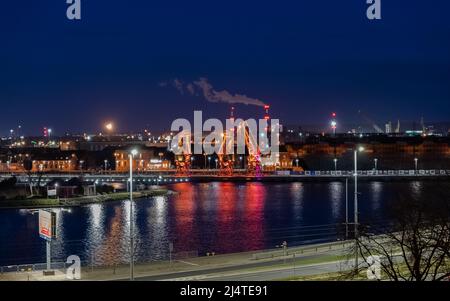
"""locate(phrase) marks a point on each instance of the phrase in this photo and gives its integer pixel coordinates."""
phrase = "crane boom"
(371, 122)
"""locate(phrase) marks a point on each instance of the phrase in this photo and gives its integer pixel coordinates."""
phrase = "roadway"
(258, 272)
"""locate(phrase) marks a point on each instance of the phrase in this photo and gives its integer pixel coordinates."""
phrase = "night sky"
(305, 58)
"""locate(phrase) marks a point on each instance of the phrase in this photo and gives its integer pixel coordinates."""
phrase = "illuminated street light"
(333, 123)
(56, 190)
(416, 164)
(109, 126)
(81, 166)
(335, 164)
(133, 153)
(359, 149)
(375, 164)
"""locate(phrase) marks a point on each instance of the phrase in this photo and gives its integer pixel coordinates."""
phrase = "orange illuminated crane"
(183, 160)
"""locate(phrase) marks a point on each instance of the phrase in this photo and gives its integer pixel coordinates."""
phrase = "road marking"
(189, 263)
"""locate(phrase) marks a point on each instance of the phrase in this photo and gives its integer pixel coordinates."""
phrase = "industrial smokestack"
(266, 109)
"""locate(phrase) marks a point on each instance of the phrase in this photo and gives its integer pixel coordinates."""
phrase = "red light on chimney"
(267, 107)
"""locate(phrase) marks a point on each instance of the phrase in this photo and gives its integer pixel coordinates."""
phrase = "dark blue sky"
(305, 58)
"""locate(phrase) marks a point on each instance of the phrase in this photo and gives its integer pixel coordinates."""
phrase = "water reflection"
(376, 190)
(206, 217)
(336, 191)
(155, 243)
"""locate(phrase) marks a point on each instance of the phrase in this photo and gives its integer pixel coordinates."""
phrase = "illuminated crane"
(183, 160)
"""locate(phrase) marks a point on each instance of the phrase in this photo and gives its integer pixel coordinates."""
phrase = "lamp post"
(81, 166)
(56, 190)
(346, 208)
(216, 163)
(335, 164)
(375, 161)
(133, 153)
(359, 149)
(106, 165)
(333, 127)
(204, 155)
(416, 163)
(209, 162)
(296, 162)
(240, 164)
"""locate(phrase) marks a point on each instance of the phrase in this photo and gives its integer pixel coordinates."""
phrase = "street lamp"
(333, 127)
(106, 165)
(416, 163)
(109, 126)
(133, 153)
(359, 149)
(375, 163)
(81, 166)
(240, 159)
(335, 164)
(216, 163)
(56, 190)
(296, 162)
(209, 162)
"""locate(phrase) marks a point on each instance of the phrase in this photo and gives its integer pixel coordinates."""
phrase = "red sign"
(47, 224)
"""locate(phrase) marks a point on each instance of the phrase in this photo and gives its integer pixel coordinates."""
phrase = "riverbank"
(34, 203)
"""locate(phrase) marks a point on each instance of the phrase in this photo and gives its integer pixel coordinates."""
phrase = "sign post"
(47, 231)
(170, 252)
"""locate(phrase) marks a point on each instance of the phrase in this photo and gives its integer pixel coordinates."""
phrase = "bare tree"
(415, 244)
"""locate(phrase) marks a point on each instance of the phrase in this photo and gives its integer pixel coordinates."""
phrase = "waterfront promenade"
(272, 264)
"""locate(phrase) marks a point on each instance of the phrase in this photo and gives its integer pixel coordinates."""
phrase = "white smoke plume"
(191, 89)
(203, 86)
(212, 95)
(178, 84)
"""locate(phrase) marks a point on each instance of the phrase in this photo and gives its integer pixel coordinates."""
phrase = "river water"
(205, 217)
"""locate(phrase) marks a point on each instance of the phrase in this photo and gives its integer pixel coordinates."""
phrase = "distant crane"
(425, 130)
(397, 129)
(371, 122)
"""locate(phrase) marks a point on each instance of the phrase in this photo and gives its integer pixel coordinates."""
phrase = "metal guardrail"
(300, 250)
(24, 268)
(87, 265)
(411, 172)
